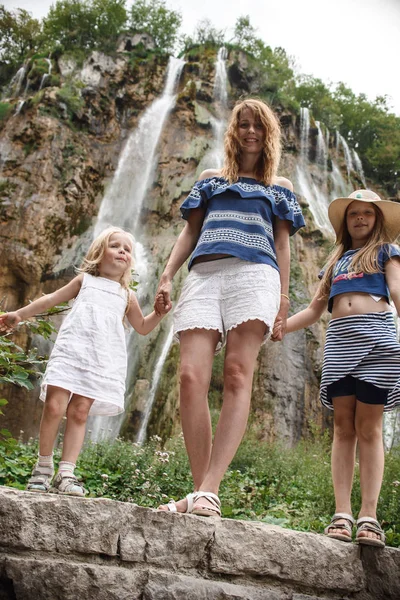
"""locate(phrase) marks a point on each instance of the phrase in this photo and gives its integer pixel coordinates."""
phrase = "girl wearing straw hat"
(361, 369)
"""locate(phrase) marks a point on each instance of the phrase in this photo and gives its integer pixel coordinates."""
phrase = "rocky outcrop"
(61, 151)
(63, 548)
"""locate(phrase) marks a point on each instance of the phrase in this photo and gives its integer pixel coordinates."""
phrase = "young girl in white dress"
(87, 368)
(361, 370)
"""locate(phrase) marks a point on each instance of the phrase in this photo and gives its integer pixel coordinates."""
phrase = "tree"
(206, 34)
(19, 34)
(85, 23)
(245, 35)
(154, 18)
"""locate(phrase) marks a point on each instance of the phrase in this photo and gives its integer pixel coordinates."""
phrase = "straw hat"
(390, 210)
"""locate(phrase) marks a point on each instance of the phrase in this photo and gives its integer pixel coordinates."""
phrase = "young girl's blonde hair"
(363, 261)
(267, 166)
(93, 258)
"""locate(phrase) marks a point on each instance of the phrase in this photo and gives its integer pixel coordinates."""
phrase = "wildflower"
(396, 483)
(104, 476)
(146, 485)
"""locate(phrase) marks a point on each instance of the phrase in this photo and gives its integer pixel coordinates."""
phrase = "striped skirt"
(365, 347)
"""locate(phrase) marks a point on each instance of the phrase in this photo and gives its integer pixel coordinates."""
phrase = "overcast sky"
(354, 41)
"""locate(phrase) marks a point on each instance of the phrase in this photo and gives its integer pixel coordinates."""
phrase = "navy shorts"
(365, 392)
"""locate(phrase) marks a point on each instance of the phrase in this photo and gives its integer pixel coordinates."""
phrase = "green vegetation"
(154, 18)
(266, 482)
(5, 110)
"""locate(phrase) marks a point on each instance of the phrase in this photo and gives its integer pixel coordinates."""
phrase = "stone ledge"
(110, 549)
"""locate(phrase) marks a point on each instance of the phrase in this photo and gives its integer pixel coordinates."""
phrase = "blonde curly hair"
(267, 166)
(93, 258)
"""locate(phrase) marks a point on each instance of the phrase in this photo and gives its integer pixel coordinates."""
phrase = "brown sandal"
(343, 537)
(370, 524)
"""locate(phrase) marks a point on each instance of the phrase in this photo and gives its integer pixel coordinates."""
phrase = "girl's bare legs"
(197, 347)
(243, 344)
(77, 414)
(54, 409)
(369, 423)
(343, 454)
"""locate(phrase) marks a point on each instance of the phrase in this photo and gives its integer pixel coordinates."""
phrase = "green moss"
(5, 110)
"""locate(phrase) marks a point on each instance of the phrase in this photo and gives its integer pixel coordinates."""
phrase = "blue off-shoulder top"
(239, 217)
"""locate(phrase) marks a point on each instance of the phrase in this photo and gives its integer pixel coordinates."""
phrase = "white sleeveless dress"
(89, 356)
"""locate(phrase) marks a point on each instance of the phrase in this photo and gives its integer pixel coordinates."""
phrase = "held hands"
(9, 321)
(279, 328)
(162, 303)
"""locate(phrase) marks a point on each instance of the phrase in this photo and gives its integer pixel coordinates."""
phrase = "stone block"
(382, 569)
(34, 579)
(163, 586)
(257, 549)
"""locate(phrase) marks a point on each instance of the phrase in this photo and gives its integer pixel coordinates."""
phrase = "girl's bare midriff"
(345, 305)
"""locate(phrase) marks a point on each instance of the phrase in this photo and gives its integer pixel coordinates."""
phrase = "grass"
(265, 482)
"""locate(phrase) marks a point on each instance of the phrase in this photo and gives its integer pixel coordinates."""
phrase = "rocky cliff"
(59, 154)
(63, 548)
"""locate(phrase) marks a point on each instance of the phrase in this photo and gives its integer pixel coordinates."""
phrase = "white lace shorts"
(222, 294)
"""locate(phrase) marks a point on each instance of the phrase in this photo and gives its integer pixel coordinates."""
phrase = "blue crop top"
(239, 217)
(374, 283)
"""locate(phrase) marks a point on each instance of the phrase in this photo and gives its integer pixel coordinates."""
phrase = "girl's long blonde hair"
(93, 258)
(363, 261)
(267, 166)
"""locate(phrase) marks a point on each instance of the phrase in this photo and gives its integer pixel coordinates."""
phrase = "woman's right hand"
(9, 321)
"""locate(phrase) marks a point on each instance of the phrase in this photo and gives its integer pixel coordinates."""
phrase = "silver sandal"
(67, 486)
(40, 479)
(370, 524)
(343, 537)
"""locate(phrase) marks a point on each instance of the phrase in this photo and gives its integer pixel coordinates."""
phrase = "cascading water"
(347, 155)
(359, 167)
(141, 436)
(46, 75)
(124, 198)
(315, 195)
(215, 158)
(121, 207)
(16, 82)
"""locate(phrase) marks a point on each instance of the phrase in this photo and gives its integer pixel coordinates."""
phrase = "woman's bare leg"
(243, 345)
(197, 347)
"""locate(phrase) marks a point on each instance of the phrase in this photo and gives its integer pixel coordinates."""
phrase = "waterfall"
(121, 206)
(340, 187)
(347, 155)
(46, 75)
(359, 167)
(304, 132)
(16, 82)
(215, 158)
(19, 107)
(135, 172)
(316, 197)
(141, 436)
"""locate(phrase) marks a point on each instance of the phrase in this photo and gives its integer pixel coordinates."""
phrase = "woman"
(238, 224)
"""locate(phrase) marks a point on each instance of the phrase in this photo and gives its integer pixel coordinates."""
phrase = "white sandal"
(207, 511)
(370, 524)
(343, 537)
(171, 506)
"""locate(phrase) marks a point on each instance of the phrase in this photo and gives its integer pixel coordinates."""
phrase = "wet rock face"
(60, 154)
(107, 549)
